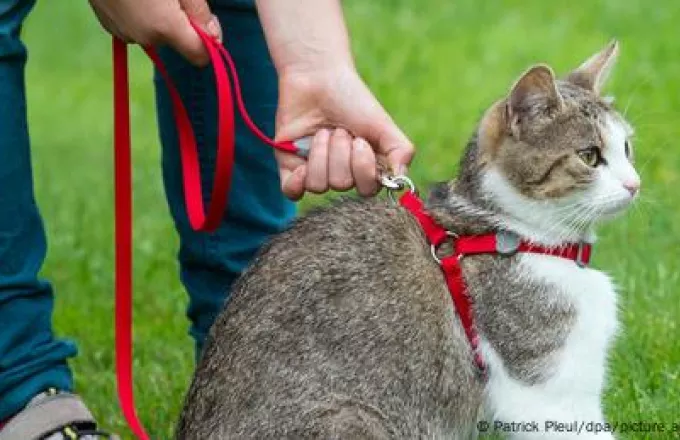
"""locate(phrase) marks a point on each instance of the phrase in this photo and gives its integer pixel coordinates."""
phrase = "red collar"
(503, 243)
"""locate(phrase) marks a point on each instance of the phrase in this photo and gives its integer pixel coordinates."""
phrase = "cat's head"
(554, 155)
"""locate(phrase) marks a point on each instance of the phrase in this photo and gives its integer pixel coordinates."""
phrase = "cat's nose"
(633, 186)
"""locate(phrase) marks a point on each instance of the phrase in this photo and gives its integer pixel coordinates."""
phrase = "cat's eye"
(627, 147)
(591, 156)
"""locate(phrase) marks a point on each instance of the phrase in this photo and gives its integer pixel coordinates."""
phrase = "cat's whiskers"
(646, 201)
(570, 226)
(653, 154)
(563, 226)
(586, 218)
(638, 211)
(576, 225)
(633, 94)
(554, 230)
(644, 119)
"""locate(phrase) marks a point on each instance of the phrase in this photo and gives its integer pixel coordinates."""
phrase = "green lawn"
(435, 66)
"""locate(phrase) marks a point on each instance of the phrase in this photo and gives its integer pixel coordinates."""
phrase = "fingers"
(317, 163)
(152, 23)
(199, 12)
(184, 39)
(339, 161)
(335, 162)
(364, 168)
(293, 173)
(214, 28)
(104, 16)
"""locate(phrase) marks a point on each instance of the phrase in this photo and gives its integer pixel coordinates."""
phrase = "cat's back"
(343, 318)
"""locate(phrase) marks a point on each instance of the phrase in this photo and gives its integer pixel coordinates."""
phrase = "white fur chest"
(573, 389)
(582, 360)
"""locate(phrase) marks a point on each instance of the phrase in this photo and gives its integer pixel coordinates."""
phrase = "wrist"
(314, 62)
(317, 78)
(305, 35)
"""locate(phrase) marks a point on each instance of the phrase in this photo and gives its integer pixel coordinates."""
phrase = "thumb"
(293, 183)
(292, 173)
(387, 140)
(375, 125)
(393, 144)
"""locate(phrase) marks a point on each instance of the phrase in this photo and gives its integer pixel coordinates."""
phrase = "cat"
(343, 326)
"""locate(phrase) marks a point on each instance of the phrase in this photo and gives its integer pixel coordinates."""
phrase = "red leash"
(200, 220)
(503, 243)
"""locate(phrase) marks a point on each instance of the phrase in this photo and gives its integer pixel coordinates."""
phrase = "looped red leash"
(503, 243)
(200, 219)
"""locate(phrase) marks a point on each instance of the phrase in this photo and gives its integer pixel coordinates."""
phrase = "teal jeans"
(31, 358)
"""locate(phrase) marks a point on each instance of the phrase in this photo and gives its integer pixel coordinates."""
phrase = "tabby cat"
(343, 326)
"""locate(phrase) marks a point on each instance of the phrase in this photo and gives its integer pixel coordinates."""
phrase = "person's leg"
(31, 359)
(209, 263)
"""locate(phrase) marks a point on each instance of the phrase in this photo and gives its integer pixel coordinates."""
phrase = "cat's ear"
(535, 88)
(593, 74)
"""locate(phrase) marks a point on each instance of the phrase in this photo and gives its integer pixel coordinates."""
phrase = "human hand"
(156, 22)
(346, 156)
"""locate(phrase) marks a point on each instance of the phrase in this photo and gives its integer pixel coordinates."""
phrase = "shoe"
(54, 415)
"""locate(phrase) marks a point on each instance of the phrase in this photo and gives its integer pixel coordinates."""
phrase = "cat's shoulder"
(355, 216)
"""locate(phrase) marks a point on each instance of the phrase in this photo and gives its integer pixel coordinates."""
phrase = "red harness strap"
(200, 220)
(503, 243)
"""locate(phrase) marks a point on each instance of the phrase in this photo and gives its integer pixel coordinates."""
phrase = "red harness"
(504, 243)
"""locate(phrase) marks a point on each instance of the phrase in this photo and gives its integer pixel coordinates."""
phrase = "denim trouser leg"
(209, 263)
(31, 359)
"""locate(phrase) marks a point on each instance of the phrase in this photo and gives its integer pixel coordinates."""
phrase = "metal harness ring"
(433, 248)
(397, 183)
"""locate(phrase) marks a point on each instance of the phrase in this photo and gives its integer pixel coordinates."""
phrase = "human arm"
(320, 89)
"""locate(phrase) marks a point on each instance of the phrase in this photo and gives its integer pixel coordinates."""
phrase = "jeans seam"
(197, 115)
(207, 157)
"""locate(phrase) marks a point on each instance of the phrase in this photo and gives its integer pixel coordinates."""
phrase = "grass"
(435, 66)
